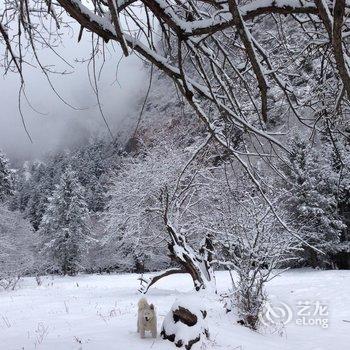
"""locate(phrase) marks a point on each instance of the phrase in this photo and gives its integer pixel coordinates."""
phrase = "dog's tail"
(142, 303)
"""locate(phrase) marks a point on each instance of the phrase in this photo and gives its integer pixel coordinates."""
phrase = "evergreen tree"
(41, 187)
(5, 178)
(65, 226)
(340, 157)
(36, 182)
(92, 162)
(22, 189)
(312, 201)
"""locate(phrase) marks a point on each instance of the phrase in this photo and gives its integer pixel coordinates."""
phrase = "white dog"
(147, 319)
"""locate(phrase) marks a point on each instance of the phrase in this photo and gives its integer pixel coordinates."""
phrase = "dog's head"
(148, 313)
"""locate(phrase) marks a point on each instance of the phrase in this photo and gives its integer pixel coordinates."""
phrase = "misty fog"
(53, 124)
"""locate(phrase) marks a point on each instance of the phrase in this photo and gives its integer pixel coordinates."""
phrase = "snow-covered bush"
(253, 245)
(17, 242)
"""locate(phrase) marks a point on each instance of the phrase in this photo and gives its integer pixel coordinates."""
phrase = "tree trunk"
(197, 264)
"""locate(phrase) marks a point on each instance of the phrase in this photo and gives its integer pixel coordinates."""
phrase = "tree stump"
(185, 323)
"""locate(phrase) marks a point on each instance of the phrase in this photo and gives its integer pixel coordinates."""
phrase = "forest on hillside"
(239, 160)
(105, 207)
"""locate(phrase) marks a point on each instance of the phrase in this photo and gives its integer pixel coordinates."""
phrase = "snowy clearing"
(99, 312)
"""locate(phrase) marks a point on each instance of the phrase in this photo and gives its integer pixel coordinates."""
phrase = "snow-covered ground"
(99, 313)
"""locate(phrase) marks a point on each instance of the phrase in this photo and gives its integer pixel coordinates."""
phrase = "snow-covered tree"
(92, 162)
(221, 55)
(6, 188)
(153, 213)
(340, 158)
(40, 186)
(22, 189)
(312, 199)
(64, 230)
(134, 238)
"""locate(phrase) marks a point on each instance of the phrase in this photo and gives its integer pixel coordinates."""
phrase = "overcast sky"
(61, 125)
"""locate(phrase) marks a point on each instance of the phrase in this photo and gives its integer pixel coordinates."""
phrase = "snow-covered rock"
(185, 324)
